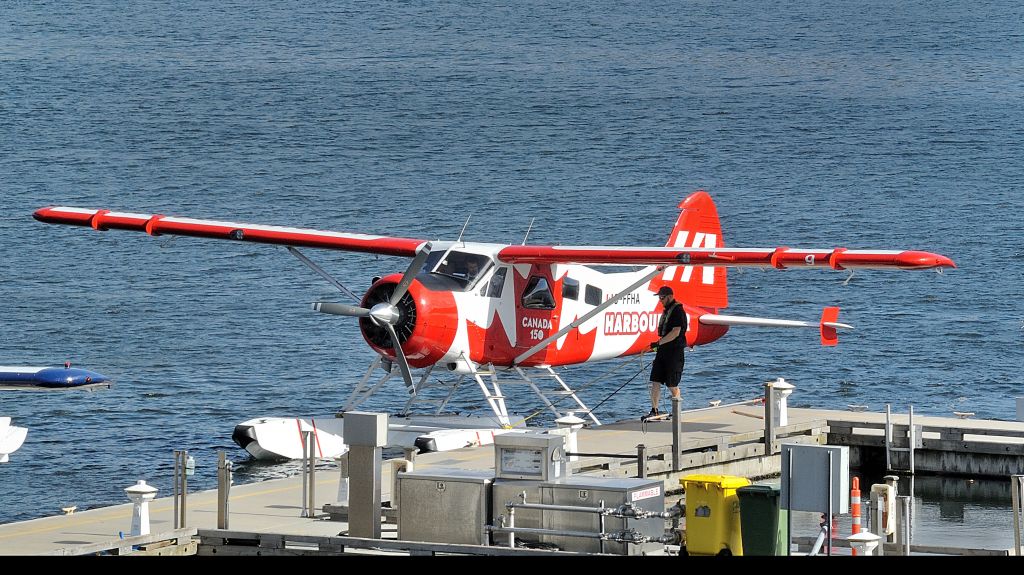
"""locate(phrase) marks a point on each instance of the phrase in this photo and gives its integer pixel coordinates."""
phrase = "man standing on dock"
(667, 367)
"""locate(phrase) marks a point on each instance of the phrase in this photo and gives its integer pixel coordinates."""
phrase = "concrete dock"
(727, 439)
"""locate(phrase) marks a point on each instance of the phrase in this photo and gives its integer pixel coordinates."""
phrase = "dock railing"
(994, 450)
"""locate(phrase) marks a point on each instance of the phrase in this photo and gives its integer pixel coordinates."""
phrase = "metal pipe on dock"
(677, 433)
(1017, 500)
(184, 465)
(308, 474)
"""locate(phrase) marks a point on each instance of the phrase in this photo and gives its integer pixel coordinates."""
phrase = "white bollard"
(569, 425)
(781, 390)
(140, 495)
(864, 543)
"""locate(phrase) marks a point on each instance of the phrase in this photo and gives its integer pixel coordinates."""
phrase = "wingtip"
(40, 214)
(924, 260)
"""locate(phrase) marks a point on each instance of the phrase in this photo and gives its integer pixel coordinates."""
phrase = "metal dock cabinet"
(583, 491)
(445, 506)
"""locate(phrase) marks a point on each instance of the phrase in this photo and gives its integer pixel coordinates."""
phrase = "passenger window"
(497, 282)
(593, 295)
(570, 288)
(538, 294)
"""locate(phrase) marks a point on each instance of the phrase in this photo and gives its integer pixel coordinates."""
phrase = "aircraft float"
(478, 310)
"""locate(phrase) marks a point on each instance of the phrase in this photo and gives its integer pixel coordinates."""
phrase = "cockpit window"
(461, 266)
(537, 294)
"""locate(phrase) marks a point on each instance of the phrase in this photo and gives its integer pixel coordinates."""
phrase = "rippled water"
(833, 124)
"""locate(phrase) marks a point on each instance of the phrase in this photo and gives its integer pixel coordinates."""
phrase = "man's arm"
(677, 320)
(670, 336)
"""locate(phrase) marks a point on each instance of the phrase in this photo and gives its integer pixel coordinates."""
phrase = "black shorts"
(667, 371)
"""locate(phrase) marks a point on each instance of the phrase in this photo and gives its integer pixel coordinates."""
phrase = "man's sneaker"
(653, 413)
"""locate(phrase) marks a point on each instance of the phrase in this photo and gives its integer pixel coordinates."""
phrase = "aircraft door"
(537, 310)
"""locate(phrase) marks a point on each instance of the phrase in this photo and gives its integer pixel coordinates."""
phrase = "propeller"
(385, 311)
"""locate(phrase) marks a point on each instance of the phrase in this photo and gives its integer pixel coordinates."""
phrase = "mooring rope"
(643, 368)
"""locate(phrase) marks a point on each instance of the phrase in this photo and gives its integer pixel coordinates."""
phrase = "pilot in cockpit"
(472, 269)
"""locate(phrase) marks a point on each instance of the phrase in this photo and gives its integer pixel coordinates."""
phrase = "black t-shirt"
(671, 318)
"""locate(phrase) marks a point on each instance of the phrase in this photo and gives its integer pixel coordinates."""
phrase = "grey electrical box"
(445, 506)
(529, 456)
(809, 472)
(366, 429)
(582, 491)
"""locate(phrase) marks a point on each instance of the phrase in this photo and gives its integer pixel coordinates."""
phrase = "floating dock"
(266, 518)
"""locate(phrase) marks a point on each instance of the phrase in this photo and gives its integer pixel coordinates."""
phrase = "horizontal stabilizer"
(827, 325)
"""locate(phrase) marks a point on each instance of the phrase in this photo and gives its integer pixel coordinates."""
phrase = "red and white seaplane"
(481, 310)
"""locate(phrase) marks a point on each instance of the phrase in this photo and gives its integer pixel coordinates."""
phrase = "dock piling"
(223, 489)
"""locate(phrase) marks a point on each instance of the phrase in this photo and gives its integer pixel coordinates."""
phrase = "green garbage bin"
(763, 526)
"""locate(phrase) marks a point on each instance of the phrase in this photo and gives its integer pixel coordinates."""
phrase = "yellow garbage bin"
(713, 514)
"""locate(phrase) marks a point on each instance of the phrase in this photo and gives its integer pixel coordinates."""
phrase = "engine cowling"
(426, 326)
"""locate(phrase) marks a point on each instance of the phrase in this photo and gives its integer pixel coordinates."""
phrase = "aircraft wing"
(781, 257)
(157, 224)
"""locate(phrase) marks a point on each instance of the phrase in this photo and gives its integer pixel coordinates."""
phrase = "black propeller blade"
(340, 309)
(410, 273)
(403, 364)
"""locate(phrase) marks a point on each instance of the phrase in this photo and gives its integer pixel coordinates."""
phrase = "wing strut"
(576, 323)
(322, 273)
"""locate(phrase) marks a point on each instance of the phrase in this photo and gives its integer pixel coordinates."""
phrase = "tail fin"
(697, 227)
(828, 324)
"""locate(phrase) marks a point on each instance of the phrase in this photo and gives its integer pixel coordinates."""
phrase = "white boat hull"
(11, 438)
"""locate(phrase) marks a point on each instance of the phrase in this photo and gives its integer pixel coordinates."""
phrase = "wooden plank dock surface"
(723, 439)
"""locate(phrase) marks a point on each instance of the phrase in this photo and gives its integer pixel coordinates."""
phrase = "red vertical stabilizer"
(828, 333)
(697, 227)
